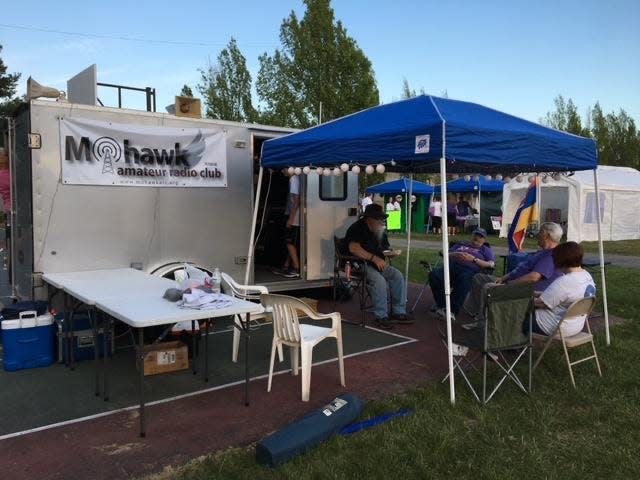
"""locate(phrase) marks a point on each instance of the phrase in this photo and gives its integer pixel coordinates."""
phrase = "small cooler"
(28, 341)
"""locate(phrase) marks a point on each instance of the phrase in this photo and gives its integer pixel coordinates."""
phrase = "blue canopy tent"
(403, 185)
(479, 186)
(430, 134)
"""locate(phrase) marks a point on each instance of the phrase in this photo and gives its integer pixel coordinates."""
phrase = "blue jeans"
(377, 287)
(460, 285)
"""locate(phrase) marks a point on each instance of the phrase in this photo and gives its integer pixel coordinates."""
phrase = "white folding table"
(135, 298)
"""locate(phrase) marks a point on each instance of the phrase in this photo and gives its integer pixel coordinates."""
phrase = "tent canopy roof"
(461, 185)
(402, 185)
(410, 133)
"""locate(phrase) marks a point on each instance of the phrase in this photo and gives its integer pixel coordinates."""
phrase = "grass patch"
(558, 432)
(620, 247)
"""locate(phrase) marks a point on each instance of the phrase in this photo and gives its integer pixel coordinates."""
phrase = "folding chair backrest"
(285, 315)
(507, 308)
(580, 308)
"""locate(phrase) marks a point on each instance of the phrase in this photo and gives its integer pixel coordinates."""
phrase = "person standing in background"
(366, 200)
(291, 267)
(435, 212)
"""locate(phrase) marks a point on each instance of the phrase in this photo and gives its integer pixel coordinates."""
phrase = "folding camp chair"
(582, 307)
(346, 282)
(506, 309)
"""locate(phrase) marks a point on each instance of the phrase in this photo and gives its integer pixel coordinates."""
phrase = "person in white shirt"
(553, 302)
(390, 206)
(435, 211)
(366, 200)
(396, 204)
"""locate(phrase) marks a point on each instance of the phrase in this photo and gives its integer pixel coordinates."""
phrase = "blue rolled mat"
(309, 431)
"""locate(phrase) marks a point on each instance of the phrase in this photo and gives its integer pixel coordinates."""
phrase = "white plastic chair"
(288, 331)
(579, 308)
(249, 293)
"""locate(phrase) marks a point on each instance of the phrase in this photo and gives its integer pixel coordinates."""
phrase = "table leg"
(141, 370)
(72, 350)
(246, 359)
(206, 350)
(193, 345)
(106, 327)
(65, 333)
(94, 328)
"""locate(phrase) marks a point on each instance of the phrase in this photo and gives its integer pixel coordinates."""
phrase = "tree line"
(616, 133)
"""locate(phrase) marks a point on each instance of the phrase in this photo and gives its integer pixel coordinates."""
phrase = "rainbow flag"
(527, 213)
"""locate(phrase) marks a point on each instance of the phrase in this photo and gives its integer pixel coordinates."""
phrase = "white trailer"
(65, 219)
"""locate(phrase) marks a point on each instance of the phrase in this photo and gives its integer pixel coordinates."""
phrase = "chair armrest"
(253, 288)
(315, 315)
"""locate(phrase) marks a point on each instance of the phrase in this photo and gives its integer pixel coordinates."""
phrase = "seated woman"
(553, 302)
(467, 258)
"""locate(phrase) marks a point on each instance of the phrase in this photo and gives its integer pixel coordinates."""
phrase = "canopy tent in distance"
(571, 201)
(403, 186)
(489, 197)
(430, 134)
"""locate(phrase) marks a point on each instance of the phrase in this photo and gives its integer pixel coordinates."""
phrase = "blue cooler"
(28, 341)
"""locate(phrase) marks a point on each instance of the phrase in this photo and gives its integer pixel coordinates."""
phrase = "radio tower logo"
(107, 150)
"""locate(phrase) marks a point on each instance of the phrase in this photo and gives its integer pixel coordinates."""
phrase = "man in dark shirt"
(366, 239)
(466, 259)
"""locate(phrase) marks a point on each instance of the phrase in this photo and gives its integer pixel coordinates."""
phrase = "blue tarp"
(410, 132)
(402, 186)
(461, 185)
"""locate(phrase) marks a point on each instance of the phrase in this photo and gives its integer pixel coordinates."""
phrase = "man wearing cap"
(367, 239)
(466, 259)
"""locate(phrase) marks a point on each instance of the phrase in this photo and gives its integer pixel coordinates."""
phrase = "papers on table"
(200, 300)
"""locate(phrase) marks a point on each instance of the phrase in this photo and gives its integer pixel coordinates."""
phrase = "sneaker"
(291, 273)
(402, 318)
(471, 325)
(442, 313)
(384, 323)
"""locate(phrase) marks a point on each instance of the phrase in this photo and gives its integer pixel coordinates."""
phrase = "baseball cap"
(480, 231)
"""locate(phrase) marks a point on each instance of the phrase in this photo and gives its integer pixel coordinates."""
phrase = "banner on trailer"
(107, 153)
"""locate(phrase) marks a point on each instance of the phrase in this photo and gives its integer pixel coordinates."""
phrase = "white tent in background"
(571, 201)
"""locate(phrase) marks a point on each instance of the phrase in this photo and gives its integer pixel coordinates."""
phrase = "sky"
(515, 56)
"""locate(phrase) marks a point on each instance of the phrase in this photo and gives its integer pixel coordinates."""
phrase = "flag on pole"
(527, 213)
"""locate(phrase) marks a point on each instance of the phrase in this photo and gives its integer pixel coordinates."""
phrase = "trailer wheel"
(169, 270)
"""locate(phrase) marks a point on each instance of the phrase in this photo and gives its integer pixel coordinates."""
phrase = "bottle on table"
(216, 278)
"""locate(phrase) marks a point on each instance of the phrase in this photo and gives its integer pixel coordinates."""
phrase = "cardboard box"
(165, 357)
(312, 302)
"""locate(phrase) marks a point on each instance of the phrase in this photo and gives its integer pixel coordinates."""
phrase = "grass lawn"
(621, 247)
(558, 433)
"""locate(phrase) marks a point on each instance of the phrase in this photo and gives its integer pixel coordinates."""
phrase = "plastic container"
(216, 279)
(28, 341)
(84, 344)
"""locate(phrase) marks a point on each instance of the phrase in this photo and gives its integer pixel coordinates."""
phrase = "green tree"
(186, 91)
(565, 117)
(408, 92)
(8, 83)
(226, 86)
(318, 67)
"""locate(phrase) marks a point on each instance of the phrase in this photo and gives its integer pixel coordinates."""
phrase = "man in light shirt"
(366, 200)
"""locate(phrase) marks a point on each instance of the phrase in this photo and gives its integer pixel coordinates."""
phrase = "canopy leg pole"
(447, 286)
(601, 252)
(408, 216)
(252, 240)
(479, 206)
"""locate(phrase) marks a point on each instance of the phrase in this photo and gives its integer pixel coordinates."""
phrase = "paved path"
(620, 260)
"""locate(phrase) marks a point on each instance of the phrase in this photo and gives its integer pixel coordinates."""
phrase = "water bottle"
(216, 278)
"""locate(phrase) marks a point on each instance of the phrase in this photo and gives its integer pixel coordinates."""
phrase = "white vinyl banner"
(106, 153)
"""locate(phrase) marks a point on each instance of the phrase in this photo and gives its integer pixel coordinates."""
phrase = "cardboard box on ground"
(165, 357)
